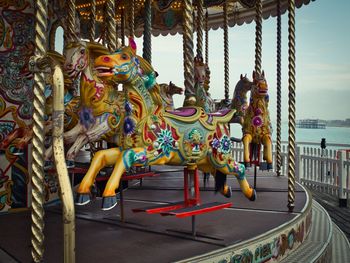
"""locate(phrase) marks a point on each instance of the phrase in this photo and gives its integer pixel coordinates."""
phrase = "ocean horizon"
(333, 135)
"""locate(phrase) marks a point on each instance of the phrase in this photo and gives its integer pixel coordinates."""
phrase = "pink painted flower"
(258, 111)
(257, 121)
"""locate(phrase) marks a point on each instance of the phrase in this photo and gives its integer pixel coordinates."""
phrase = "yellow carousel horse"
(256, 125)
(149, 135)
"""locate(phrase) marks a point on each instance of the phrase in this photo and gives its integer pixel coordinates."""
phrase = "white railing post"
(297, 164)
(342, 195)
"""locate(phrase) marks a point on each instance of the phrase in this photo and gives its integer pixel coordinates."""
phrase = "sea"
(333, 135)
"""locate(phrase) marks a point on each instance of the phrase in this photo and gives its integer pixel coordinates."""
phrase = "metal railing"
(325, 170)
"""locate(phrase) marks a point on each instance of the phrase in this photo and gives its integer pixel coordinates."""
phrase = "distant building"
(311, 124)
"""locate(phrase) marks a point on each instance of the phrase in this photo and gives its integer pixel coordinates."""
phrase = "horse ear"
(170, 83)
(254, 74)
(263, 74)
(241, 76)
(132, 44)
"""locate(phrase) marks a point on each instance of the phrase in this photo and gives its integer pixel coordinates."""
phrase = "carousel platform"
(247, 231)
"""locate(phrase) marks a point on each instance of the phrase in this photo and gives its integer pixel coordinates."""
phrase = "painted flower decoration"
(128, 107)
(86, 117)
(258, 111)
(195, 136)
(129, 125)
(226, 144)
(215, 143)
(165, 140)
(257, 121)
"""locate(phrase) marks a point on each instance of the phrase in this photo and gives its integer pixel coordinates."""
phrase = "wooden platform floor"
(101, 237)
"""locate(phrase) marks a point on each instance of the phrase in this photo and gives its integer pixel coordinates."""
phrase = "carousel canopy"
(167, 14)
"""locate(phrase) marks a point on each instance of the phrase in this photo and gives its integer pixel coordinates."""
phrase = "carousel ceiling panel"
(167, 14)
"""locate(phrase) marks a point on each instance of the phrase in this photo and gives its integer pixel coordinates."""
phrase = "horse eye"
(82, 51)
(124, 56)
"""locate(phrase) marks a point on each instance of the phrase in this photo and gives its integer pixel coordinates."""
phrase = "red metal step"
(160, 208)
(197, 209)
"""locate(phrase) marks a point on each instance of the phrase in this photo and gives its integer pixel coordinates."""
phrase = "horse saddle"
(185, 114)
(208, 120)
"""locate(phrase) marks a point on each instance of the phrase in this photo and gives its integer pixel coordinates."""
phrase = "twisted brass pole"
(206, 39)
(226, 53)
(132, 18)
(278, 139)
(111, 25)
(39, 134)
(187, 28)
(200, 18)
(291, 104)
(92, 22)
(122, 25)
(71, 19)
(147, 36)
(258, 36)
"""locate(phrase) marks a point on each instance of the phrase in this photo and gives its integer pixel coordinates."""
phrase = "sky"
(322, 60)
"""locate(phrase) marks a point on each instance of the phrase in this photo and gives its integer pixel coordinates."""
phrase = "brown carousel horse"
(148, 135)
(167, 91)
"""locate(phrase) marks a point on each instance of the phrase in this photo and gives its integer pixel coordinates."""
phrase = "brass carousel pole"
(278, 139)
(132, 18)
(200, 18)
(258, 36)
(206, 39)
(111, 25)
(147, 34)
(92, 22)
(226, 54)
(122, 26)
(291, 104)
(38, 132)
(187, 28)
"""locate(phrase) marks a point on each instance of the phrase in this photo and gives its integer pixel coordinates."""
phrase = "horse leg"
(238, 170)
(70, 136)
(101, 159)
(247, 139)
(75, 148)
(266, 141)
(123, 162)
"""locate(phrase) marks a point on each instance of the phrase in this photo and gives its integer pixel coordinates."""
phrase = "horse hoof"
(82, 199)
(109, 202)
(228, 193)
(247, 164)
(70, 164)
(269, 166)
(48, 165)
(253, 197)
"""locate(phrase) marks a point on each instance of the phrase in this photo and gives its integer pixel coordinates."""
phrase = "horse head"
(121, 66)
(173, 89)
(259, 87)
(79, 55)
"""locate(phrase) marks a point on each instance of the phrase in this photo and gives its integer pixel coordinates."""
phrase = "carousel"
(98, 164)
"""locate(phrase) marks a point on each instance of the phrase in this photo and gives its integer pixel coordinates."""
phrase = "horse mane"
(147, 70)
(96, 49)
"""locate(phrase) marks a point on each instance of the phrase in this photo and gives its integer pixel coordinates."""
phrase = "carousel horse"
(167, 91)
(201, 86)
(151, 136)
(256, 125)
(239, 100)
(98, 115)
